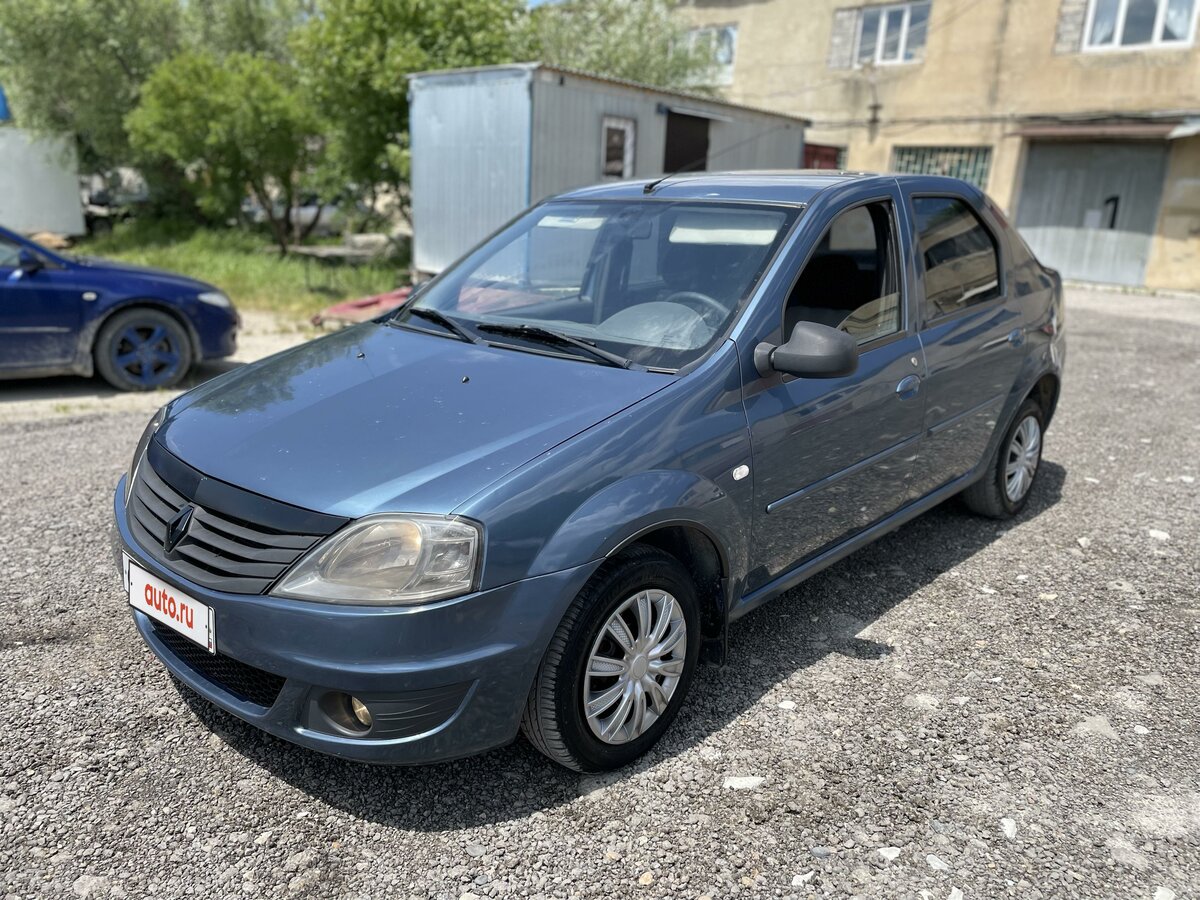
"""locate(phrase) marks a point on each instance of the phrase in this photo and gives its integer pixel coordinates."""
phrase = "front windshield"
(653, 281)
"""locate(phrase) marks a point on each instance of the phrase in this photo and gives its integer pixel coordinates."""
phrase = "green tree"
(77, 66)
(638, 40)
(259, 27)
(356, 54)
(234, 124)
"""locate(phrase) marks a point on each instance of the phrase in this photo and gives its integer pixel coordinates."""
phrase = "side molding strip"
(792, 578)
(825, 482)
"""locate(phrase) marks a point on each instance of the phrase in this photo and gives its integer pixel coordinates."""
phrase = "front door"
(832, 455)
(39, 312)
(972, 332)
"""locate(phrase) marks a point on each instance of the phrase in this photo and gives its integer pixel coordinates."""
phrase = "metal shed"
(488, 142)
(39, 189)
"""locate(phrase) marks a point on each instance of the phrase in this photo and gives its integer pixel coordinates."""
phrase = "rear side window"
(962, 267)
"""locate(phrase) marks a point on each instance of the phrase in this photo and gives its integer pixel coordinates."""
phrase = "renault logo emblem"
(177, 528)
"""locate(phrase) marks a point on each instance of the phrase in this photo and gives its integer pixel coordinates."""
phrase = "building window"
(617, 148)
(968, 163)
(889, 35)
(1115, 24)
(721, 42)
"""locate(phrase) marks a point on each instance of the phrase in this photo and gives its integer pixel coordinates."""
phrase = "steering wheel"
(711, 306)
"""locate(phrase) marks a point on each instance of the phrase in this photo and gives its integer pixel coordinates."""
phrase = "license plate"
(170, 606)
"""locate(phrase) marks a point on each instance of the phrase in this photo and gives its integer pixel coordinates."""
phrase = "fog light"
(361, 713)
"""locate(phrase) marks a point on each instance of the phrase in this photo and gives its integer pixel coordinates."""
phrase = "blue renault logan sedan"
(139, 328)
(537, 494)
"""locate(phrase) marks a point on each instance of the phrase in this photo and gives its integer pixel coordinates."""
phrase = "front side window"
(1113, 24)
(653, 281)
(892, 34)
(962, 267)
(852, 280)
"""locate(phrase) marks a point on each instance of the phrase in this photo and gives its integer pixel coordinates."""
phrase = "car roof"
(794, 186)
(788, 186)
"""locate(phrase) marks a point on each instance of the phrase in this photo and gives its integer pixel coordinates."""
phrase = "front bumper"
(484, 648)
(216, 330)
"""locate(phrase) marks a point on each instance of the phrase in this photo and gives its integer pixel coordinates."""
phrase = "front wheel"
(142, 349)
(1004, 489)
(619, 665)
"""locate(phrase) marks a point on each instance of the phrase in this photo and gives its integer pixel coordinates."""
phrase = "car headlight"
(215, 298)
(387, 560)
(143, 442)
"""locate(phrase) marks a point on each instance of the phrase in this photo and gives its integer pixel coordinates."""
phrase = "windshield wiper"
(439, 318)
(546, 336)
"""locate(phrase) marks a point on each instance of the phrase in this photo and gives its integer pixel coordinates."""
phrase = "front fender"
(624, 510)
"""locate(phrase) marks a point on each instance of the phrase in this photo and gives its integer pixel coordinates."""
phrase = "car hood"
(376, 418)
(144, 272)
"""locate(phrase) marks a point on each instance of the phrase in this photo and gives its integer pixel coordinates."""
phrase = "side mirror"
(813, 351)
(29, 263)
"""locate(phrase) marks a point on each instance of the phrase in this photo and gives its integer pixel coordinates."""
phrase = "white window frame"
(1155, 43)
(722, 74)
(627, 125)
(881, 35)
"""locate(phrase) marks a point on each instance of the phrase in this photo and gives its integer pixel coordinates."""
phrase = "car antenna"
(649, 186)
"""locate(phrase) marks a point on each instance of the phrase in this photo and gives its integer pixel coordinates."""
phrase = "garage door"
(1089, 209)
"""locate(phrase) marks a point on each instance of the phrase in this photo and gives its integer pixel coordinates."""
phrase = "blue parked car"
(139, 328)
(536, 495)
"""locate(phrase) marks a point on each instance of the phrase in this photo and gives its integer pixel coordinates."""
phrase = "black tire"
(554, 720)
(169, 350)
(989, 495)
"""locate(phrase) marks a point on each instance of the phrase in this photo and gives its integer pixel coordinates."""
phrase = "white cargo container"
(39, 185)
(490, 141)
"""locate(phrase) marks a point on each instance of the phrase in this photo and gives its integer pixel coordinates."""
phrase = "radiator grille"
(218, 551)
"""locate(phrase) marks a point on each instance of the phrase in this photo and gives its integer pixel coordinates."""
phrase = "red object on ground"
(362, 309)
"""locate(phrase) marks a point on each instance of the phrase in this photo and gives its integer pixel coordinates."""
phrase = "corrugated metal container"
(488, 142)
(39, 188)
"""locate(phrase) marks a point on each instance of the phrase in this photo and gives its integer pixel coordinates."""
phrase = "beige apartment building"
(1080, 117)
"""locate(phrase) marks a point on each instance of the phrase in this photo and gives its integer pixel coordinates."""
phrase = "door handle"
(908, 387)
(1016, 337)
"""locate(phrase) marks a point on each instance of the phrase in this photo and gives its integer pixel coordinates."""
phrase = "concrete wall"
(39, 185)
(988, 65)
(1175, 258)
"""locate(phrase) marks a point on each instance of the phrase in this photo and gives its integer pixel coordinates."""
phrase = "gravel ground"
(964, 709)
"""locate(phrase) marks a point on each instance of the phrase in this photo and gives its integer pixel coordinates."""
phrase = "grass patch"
(244, 265)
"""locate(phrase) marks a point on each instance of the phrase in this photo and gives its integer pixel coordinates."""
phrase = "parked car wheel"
(142, 349)
(1005, 489)
(619, 665)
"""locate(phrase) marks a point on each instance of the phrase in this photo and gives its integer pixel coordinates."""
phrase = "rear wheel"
(142, 349)
(1004, 489)
(619, 666)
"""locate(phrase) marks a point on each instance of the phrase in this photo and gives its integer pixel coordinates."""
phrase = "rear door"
(40, 312)
(972, 333)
